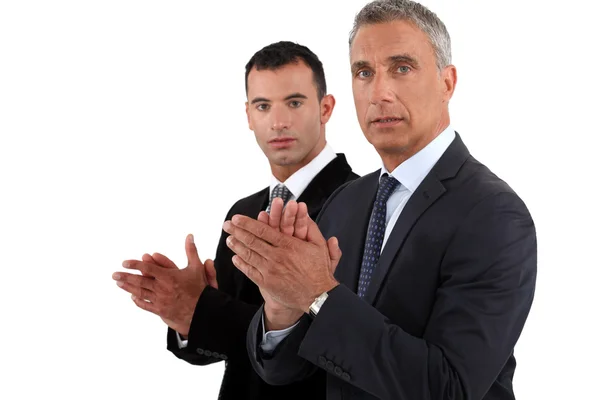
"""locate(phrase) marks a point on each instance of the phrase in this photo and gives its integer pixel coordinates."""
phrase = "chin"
(391, 146)
(285, 160)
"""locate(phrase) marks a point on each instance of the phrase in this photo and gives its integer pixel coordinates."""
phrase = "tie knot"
(387, 184)
(282, 192)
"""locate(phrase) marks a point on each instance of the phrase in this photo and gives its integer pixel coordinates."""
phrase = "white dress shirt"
(296, 184)
(410, 174)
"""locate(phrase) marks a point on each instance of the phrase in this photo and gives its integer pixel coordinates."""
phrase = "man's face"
(400, 96)
(285, 114)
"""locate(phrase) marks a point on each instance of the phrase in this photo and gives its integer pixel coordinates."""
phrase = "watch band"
(317, 304)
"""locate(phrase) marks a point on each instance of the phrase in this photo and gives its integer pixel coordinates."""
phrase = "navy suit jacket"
(447, 301)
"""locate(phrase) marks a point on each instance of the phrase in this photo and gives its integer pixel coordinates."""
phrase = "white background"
(121, 120)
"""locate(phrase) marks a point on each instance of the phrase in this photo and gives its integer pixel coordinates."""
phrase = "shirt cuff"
(272, 339)
(182, 343)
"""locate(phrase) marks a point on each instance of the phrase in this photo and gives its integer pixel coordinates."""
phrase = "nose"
(281, 118)
(381, 89)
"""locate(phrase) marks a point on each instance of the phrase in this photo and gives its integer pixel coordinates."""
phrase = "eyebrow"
(291, 96)
(391, 60)
(359, 65)
(403, 58)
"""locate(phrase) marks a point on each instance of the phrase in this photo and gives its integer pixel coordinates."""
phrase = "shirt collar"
(301, 178)
(411, 172)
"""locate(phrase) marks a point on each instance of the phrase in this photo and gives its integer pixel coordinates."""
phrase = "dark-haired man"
(287, 108)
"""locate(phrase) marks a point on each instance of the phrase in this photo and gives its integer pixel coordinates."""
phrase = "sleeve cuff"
(272, 339)
(182, 343)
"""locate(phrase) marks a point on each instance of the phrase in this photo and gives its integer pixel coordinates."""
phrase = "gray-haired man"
(439, 255)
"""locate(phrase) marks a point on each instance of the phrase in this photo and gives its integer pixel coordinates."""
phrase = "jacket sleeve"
(483, 299)
(220, 321)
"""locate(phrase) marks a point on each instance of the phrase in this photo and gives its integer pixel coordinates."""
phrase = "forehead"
(281, 82)
(376, 42)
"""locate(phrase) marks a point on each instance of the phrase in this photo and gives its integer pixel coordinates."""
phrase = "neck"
(391, 160)
(283, 172)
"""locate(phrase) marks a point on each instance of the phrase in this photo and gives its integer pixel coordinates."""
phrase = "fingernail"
(120, 283)
(235, 219)
(125, 264)
(191, 238)
(116, 276)
(226, 226)
(133, 297)
(229, 241)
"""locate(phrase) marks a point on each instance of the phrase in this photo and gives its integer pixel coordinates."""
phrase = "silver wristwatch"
(317, 304)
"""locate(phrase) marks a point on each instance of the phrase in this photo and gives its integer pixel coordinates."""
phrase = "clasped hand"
(285, 254)
(166, 290)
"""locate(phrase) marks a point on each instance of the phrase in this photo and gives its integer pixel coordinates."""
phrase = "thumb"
(335, 253)
(211, 273)
(191, 252)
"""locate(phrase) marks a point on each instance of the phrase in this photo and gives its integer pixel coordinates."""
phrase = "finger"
(252, 273)
(263, 217)
(163, 261)
(191, 251)
(148, 259)
(249, 240)
(301, 223)
(249, 256)
(144, 305)
(137, 291)
(268, 235)
(211, 273)
(335, 253)
(139, 281)
(149, 269)
(289, 218)
(275, 212)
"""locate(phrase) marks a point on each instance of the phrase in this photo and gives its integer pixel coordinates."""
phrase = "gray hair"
(381, 11)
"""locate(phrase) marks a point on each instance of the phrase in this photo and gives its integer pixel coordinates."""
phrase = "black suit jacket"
(221, 318)
(445, 305)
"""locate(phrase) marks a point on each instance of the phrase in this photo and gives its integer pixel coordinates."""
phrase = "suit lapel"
(324, 183)
(428, 192)
(352, 237)
(260, 202)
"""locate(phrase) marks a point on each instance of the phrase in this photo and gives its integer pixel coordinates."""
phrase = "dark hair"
(279, 54)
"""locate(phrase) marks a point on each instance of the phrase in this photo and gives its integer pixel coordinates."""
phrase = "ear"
(448, 76)
(327, 105)
(248, 117)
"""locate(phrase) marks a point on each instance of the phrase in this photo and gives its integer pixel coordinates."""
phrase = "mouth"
(385, 122)
(282, 142)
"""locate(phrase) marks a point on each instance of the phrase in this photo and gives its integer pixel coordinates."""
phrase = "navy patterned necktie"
(280, 191)
(375, 232)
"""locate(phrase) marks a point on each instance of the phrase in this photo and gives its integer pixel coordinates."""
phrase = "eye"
(262, 107)
(404, 69)
(364, 73)
(295, 104)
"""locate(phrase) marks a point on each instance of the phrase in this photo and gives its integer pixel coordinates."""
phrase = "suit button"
(329, 366)
(338, 371)
(208, 353)
(223, 356)
(200, 351)
(322, 361)
(346, 376)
